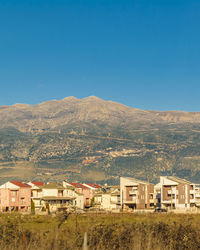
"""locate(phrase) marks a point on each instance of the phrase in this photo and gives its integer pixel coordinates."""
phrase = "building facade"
(57, 197)
(136, 194)
(36, 194)
(15, 196)
(87, 189)
(177, 193)
(81, 189)
(109, 200)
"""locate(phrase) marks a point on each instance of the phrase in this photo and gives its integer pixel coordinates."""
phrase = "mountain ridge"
(73, 108)
(96, 140)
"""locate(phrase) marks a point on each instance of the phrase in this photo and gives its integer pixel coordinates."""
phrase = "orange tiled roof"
(78, 185)
(38, 183)
(20, 184)
(94, 185)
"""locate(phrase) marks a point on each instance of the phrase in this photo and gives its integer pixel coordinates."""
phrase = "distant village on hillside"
(170, 194)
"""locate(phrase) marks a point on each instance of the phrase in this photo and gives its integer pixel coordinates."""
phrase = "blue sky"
(145, 53)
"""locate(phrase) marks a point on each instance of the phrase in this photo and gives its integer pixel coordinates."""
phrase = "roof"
(136, 180)
(93, 185)
(115, 193)
(179, 180)
(20, 184)
(112, 193)
(78, 185)
(53, 185)
(37, 183)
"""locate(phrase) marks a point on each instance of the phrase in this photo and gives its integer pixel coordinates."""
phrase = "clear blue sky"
(145, 53)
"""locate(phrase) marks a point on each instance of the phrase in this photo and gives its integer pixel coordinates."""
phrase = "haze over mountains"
(95, 140)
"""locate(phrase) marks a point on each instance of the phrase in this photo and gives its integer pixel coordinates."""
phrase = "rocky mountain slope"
(96, 140)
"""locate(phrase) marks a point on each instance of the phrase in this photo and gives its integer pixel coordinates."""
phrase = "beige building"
(108, 200)
(177, 193)
(197, 195)
(36, 194)
(136, 194)
(87, 192)
(57, 197)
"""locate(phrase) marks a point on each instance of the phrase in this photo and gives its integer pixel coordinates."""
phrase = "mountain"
(95, 140)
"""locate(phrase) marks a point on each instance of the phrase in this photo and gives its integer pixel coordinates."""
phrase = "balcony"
(192, 191)
(197, 202)
(169, 201)
(172, 191)
(133, 192)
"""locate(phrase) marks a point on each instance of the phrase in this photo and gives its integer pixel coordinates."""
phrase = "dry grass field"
(105, 231)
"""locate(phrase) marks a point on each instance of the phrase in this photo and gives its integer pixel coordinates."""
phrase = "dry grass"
(111, 231)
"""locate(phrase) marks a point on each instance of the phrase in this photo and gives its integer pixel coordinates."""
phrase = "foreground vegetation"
(104, 231)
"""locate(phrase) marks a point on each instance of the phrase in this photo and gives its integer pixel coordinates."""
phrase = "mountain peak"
(21, 105)
(70, 98)
(93, 98)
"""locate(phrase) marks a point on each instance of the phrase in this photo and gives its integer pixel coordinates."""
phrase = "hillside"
(95, 140)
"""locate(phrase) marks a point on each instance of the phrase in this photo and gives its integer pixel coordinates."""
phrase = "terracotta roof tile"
(20, 184)
(78, 185)
(94, 185)
(37, 183)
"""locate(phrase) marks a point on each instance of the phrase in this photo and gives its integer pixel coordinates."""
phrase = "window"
(13, 199)
(22, 200)
(14, 193)
(60, 193)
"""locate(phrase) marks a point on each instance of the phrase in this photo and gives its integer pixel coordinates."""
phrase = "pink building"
(15, 196)
(87, 192)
